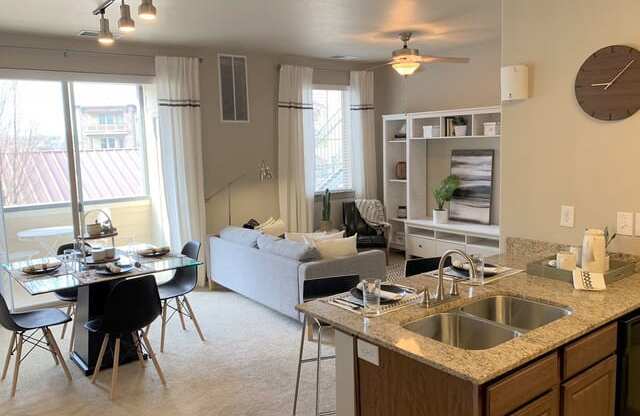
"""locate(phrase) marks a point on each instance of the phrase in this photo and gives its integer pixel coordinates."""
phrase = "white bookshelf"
(420, 237)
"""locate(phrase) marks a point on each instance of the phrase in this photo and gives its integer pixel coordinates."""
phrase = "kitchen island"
(565, 367)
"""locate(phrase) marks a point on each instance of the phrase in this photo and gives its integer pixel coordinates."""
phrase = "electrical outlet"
(625, 223)
(567, 216)
(637, 224)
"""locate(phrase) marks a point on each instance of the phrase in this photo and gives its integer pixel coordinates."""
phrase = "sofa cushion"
(287, 248)
(241, 236)
(336, 247)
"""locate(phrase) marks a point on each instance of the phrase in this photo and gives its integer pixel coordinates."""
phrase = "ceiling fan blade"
(380, 65)
(430, 59)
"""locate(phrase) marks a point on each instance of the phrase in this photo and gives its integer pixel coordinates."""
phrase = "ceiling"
(364, 29)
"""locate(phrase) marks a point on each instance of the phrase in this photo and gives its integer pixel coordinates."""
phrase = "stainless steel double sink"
(488, 322)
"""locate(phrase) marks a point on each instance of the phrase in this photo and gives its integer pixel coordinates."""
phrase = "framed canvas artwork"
(472, 200)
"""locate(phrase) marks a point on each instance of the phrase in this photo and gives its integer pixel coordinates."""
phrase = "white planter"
(460, 130)
(440, 217)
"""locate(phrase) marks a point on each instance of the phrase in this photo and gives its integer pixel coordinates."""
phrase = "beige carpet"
(247, 366)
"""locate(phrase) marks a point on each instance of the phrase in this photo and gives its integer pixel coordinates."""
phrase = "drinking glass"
(371, 297)
(478, 262)
(68, 257)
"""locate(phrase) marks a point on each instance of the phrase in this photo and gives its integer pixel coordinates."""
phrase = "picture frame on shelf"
(472, 201)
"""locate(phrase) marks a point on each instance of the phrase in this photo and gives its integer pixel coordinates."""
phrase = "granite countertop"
(590, 311)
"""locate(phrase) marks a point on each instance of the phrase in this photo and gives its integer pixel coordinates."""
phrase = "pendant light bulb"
(105, 37)
(126, 23)
(147, 10)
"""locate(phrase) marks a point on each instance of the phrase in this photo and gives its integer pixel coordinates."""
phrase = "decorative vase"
(440, 216)
(460, 130)
(401, 170)
(325, 225)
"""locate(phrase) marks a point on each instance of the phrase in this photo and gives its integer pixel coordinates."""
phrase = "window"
(232, 76)
(333, 140)
(34, 150)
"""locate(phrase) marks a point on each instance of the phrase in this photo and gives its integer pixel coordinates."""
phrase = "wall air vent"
(234, 94)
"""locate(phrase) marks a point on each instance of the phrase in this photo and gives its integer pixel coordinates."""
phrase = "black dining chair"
(315, 289)
(69, 296)
(423, 265)
(130, 306)
(24, 328)
(183, 282)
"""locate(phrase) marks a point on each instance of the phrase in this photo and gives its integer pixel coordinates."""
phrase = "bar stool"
(418, 266)
(23, 327)
(315, 289)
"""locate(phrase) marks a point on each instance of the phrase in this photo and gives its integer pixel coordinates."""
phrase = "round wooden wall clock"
(608, 83)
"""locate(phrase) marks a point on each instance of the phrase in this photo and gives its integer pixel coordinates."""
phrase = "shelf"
(477, 230)
(396, 219)
(397, 141)
(454, 137)
(398, 180)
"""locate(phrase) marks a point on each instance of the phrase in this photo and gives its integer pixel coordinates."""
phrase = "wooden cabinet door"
(547, 405)
(593, 392)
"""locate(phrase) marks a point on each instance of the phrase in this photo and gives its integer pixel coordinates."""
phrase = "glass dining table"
(93, 285)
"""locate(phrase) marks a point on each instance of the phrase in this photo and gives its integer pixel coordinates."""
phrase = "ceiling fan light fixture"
(105, 37)
(406, 68)
(147, 10)
(126, 23)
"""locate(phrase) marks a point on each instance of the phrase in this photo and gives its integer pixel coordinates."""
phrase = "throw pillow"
(336, 247)
(242, 236)
(287, 248)
(323, 235)
(277, 227)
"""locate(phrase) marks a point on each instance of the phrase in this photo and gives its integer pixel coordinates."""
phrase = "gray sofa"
(275, 278)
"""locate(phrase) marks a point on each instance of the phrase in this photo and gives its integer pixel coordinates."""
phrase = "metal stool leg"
(318, 358)
(295, 398)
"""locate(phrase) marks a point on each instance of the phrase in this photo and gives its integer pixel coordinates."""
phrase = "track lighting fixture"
(147, 10)
(105, 37)
(126, 23)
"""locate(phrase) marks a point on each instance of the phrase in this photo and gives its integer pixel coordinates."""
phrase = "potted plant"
(460, 126)
(443, 194)
(325, 222)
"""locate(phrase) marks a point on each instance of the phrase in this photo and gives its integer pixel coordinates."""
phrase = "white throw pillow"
(265, 223)
(323, 235)
(276, 228)
(336, 247)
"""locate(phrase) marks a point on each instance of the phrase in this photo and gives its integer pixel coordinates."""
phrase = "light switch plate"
(637, 224)
(567, 214)
(625, 223)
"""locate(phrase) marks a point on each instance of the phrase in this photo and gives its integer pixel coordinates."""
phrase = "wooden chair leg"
(7, 360)
(180, 313)
(152, 355)
(51, 349)
(55, 347)
(16, 369)
(146, 330)
(72, 341)
(64, 327)
(116, 367)
(103, 348)
(164, 325)
(138, 345)
(193, 317)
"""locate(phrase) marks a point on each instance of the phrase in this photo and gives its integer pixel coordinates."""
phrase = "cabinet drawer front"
(547, 405)
(421, 247)
(443, 246)
(522, 386)
(485, 251)
(588, 350)
(593, 392)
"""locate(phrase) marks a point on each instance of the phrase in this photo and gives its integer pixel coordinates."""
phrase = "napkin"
(113, 267)
(583, 280)
(154, 250)
(389, 295)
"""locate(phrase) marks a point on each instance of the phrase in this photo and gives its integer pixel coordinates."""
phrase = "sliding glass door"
(109, 170)
(34, 175)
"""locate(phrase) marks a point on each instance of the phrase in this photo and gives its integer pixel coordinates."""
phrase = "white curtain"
(296, 148)
(365, 175)
(6, 289)
(178, 89)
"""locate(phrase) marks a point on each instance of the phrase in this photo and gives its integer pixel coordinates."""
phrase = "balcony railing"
(106, 128)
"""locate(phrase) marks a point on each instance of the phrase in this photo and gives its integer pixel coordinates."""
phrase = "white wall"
(553, 153)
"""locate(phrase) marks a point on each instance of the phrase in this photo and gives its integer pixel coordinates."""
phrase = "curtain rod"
(319, 68)
(81, 51)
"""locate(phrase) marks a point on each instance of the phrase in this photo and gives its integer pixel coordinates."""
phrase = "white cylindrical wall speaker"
(514, 80)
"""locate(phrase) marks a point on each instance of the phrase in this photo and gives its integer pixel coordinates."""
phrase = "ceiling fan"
(407, 60)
